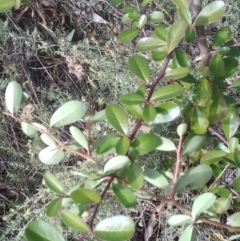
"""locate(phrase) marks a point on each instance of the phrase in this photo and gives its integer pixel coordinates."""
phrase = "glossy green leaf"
(117, 228)
(231, 122)
(185, 14)
(134, 15)
(166, 112)
(181, 129)
(221, 37)
(182, 58)
(234, 220)
(124, 195)
(179, 220)
(156, 17)
(145, 143)
(175, 33)
(149, 43)
(51, 155)
(231, 66)
(211, 13)
(27, 129)
(39, 230)
(195, 178)
(203, 93)
(135, 110)
(212, 157)
(128, 8)
(74, 221)
(160, 32)
(68, 113)
(199, 122)
(218, 109)
(117, 118)
(167, 92)
(13, 96)
(236, 157)
(190, 35)
(189, 234)
(116, 163)
(132, 99)
(156, 178)
(166, 145)
(123, 145)
(53, 207)
(235, 84)
(126, 19)
(202, 203)
(192, 143)
(234, 51)
(158, 56)
(53, 183)
(135, 176)
(128, 35)
(139, 66)
(46, 139)
(223, 50)
(79, 137)
(85, 196)
(216, 65)
(222, 204)
(177, 73)
(181, 3)
(236, 185)
(142, 21)
(149, 113)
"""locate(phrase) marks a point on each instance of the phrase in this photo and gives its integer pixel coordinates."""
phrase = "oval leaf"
(116, 163)
(166, 145)
(234, 220)
(132, 99)
(27, 129)
(149, 43)
(128, 35)
(53, 183)
(123, 145)
(189, 234)
(85, 196)
(79, 137)
(177, 73)
(179, 220)
(135, 176)
(51, 155)
(48, 140)
(221, 37)
(53, 207)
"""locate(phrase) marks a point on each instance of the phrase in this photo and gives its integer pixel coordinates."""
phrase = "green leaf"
(211, 157)
(224, 50)
(234, 220)
(179, 220)
(6, 5)
(149, 113)
(124, 195)
(175, 34)
(68, 113)
(134, 15)
(235, 84)
(51, 155)
(160, 32)
(216, 65)
(27, 129)
(158, 56)
(123, 145)
(195, 178)
(234, 237)
(190, 35)
(199, 122)
(222, 204)
(48, 140)
(156, 17)
(128, 35)
(128, 8)
(185, 14)
(105, 143)
(231, 122)
(117, 228)
(181, 129)
(189, 234)
(74, 221)
(145, 143)
(181, 3)
(85, 196)
(192, 143)
(116, 2)
(142, 21)
(166, 112)
(231, 66)
(182, 58)
(202, 203)
(139, 66)
(39, 230)
(132, 99)
(166, 145)
(53, 207)
(79, 137)
(13, 95)
(221, 37)
(167, 92)
(149, 43)
(177, 73)
(236, 156)
(203, 93)
(53, 183)
(156, 179)
(236, 185)
(135, 176)
(116, 163)
(117, 118)
(211, 13)
(135, 110)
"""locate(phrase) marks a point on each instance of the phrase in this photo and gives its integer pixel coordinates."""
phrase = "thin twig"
(215, 133)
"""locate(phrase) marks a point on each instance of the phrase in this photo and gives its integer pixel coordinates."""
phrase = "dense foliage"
(196, 89)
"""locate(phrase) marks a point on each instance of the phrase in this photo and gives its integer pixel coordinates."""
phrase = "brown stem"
(215, 133)
(202, 42)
